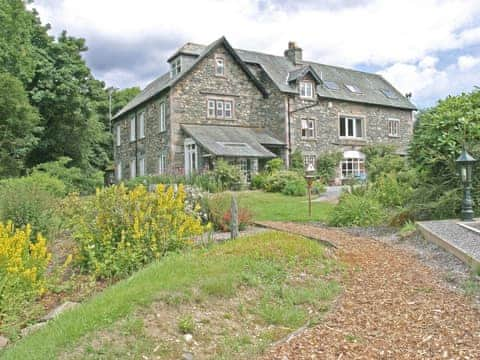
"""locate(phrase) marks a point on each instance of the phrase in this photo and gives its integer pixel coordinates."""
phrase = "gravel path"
(393, 307)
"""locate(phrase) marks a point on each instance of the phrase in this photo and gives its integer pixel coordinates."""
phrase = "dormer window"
(306, 89)
(176, 67)
(219, 66)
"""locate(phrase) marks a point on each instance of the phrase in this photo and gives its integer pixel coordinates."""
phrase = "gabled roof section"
(300, 73)
(165, 81)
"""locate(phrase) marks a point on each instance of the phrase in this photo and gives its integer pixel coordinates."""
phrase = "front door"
(191, 156)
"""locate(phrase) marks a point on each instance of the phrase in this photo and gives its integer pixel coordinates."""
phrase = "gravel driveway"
(393, 307)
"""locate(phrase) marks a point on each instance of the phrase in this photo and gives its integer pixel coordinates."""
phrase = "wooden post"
(234, 220)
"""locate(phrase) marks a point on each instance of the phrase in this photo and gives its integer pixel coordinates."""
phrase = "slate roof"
(233, 140)
(281, 70)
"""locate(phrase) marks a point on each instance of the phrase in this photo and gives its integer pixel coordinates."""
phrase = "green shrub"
(75, 179)
(277, 181)
(295, 187)
(32, 200)
(274, 165)
(318, 187)
(327, 164)
(120, 230)
(218, 208)
(355, 210)
(259, 180)
(227, 174)
(297, 160)
(390, 192)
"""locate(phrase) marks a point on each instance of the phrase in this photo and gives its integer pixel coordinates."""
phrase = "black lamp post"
(310, 176)
(465, 164)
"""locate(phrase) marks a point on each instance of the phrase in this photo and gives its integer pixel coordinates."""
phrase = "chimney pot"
(293, 52)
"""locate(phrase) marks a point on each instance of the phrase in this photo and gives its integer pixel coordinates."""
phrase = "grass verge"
(277, 280)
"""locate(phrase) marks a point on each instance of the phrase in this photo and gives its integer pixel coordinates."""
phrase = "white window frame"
(118, 171)
(211, 108)
(118, 134)
(306, 89)
(228, 112)
(133, 129)
(162, 120)
(133, 168)
(176, 67)
(307, 126)
(141, 125)
(356, 167)
(393, 127)
(353, 120)
(141, 166)
(219, 66)
(162, 163)
(309, 159)
(219, 109)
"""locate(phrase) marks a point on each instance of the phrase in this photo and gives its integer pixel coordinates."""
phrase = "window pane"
(342, 127)
(219, 108)
(350, 127)
(358, 128)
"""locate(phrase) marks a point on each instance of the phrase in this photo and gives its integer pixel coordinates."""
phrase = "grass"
(278, 207)
(256, 279)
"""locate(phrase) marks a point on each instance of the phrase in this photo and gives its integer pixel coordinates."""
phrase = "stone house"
(248, 107)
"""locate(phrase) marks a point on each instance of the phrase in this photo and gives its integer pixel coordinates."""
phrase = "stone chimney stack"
(293, 53)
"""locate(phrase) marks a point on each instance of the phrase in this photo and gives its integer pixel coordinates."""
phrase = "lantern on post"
(465, 164)
(310, 176)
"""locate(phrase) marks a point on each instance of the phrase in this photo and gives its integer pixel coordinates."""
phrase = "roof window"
(353, 88)
(332, 85)
(389, 93)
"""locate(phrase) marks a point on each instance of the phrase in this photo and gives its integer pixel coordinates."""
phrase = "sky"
(430, 48)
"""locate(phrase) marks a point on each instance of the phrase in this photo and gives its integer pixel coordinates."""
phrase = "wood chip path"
(393, 307)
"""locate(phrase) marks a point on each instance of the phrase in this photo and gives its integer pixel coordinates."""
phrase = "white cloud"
(466, 62)
(403, 37)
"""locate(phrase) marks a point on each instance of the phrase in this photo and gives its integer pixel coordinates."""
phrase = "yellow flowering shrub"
(23, 262)
(120, 230)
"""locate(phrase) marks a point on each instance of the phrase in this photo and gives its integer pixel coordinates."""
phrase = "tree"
(18, 126)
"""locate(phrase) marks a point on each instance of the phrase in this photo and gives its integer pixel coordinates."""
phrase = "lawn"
(279, 207)
(235, 299)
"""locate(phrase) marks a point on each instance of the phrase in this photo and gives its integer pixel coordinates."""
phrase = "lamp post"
(310, 176)
(465, 164)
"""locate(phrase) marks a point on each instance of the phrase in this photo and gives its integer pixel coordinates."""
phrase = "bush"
(23, 262)
(295, 187)
(356, 210)
(219, 206)
(389, 192)
(318, 187)
(274, 165)
(297, 160)
(277, 181)
(75, 179)
(32, 200)
(227, 174)
(258, 181)
(119, 230)
(327, 164)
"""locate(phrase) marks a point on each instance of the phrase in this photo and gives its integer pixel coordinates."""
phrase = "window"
(219, 66)
(176, 67)
(118, 171)
(133, 135)
(211, 108)
(162, 163)
(141, 125)
(308, 128)
(219, 113)
(228, 109)
(118, 134)
(332, 85)
(389, 93)
(243, 166)
(351, 127)
(353, 88)
(253, 166)
(306, 89)
(309, 159)
(353, 167)
(220, 109)
(393, 127)
(141, 167)
(162, 124)
(133, 168)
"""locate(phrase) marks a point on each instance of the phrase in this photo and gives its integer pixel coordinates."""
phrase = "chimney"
(293, 53)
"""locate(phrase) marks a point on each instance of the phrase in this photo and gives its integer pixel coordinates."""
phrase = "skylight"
(233, 144)
(353, 88)
(332, 85)
(389, 93)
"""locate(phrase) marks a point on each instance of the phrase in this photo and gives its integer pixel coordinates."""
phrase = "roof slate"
(281, 70)
(233, 140)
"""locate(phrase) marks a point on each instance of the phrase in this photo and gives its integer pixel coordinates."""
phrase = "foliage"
(186, 325)
(318, 187)
(74, 178)
(31, 200)
(274, 165)
(120, 230)
(297, 160)
(219, 212)
(357, 210)
(277, 181)
(327, 164)
(390, 192)
(23, 262)
(18, 126)
(227, 174)
(259, 180)
(295, 187)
